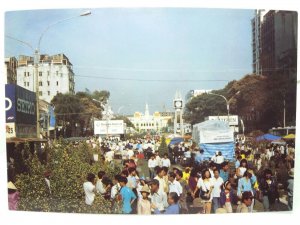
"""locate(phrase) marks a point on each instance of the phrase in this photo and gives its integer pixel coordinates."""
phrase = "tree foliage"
(258, 100)
(69, 167)
(163, 148)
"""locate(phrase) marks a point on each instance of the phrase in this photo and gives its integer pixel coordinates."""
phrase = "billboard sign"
(109, 127)
(233, 119)
(10, 130)
(20, 105)
(216, 137)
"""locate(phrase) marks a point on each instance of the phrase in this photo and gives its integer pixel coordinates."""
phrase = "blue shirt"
(199, 158)
(224, 175)
(172, 209)
(127, 196)
(244, 185)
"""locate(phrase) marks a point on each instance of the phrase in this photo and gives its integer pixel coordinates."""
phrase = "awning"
(290, 136)
(23, 140)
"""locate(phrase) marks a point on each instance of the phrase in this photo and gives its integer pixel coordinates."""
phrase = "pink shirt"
(13, 200)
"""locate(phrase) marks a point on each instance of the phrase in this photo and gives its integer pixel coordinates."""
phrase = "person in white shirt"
(205, 185)
(130, 153)
(99, 185)
(166, 161)
(89, 189)
(160, 177)
(115, 188)
(219, 160)
(158, 198)
(174, 185)
(109, 156)
(158, 159)
(152, 163)
(217, 182)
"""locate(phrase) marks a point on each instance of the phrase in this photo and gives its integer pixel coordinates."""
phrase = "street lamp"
(37, 59)
(227, 102)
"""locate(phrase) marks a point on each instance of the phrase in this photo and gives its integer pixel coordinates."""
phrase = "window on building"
(56, 73)
(48, 82)
(41, 93)
(48, 92)
(40, 83)
(40, 74)
(28, 84)
(25, 74)
(48, 73)
(56, 83)
(61, 74)
(24, 84)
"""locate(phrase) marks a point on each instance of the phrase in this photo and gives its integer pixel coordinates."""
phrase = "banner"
(233, 120)
(109, 127)
(217, 136)
(227, 150)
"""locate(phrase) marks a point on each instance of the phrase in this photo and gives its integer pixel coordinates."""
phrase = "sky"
(140, 55)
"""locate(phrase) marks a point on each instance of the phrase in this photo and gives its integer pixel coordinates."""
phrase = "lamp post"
(37, 59)
(227, 102)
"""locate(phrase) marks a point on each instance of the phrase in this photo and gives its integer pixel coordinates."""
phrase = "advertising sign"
(20, 105)
(109, 127)
(25, 130)
(52, 117)
(233, 120)
(10, 130)
(216, 137)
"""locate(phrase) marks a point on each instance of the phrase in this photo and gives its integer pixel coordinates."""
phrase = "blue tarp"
(268, 137)
(176, 140)
(227, 150)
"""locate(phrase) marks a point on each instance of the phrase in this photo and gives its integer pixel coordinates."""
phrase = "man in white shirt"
(219, 160)
(130, 153)
(115, 188)
(174, 185)
(158, 198)
(217, 182)
(158, 159)
(166, 161)
(99, 185)
(109, 156)
(89, 189)
(160, 177)
(152, 163)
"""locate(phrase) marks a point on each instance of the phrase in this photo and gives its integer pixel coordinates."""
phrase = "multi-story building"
(256, 40)
(274, 42)
(10, 70)
(55, 75)
(147, 122)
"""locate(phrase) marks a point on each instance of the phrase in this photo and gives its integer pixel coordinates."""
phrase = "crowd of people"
(209, 186)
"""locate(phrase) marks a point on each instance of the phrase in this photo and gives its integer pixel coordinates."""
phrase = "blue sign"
(20, 105)
(52, 120)
(10, 103)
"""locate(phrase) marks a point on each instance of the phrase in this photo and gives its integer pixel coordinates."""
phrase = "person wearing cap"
(227, 197)
(247, 199)
(13, 196)
(144, 205)
(290, 189)
(158, 198)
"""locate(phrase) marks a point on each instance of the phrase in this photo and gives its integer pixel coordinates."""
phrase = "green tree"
(163, 148)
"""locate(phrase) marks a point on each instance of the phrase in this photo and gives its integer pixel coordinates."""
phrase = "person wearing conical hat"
(13, 196)
(144, 205)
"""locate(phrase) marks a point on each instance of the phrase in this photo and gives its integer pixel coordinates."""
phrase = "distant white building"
(55, 75)
(147, 122)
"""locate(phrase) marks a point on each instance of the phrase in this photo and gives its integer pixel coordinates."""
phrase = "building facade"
(10, 70)
(146, 122)
(274, 42)
(55, 75)
(256, 40)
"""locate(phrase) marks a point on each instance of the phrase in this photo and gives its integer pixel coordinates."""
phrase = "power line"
(152, 80)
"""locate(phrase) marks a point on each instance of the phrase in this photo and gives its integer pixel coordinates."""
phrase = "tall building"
(55, 75)
(256, 40)
(274, 42)
(10, 70)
